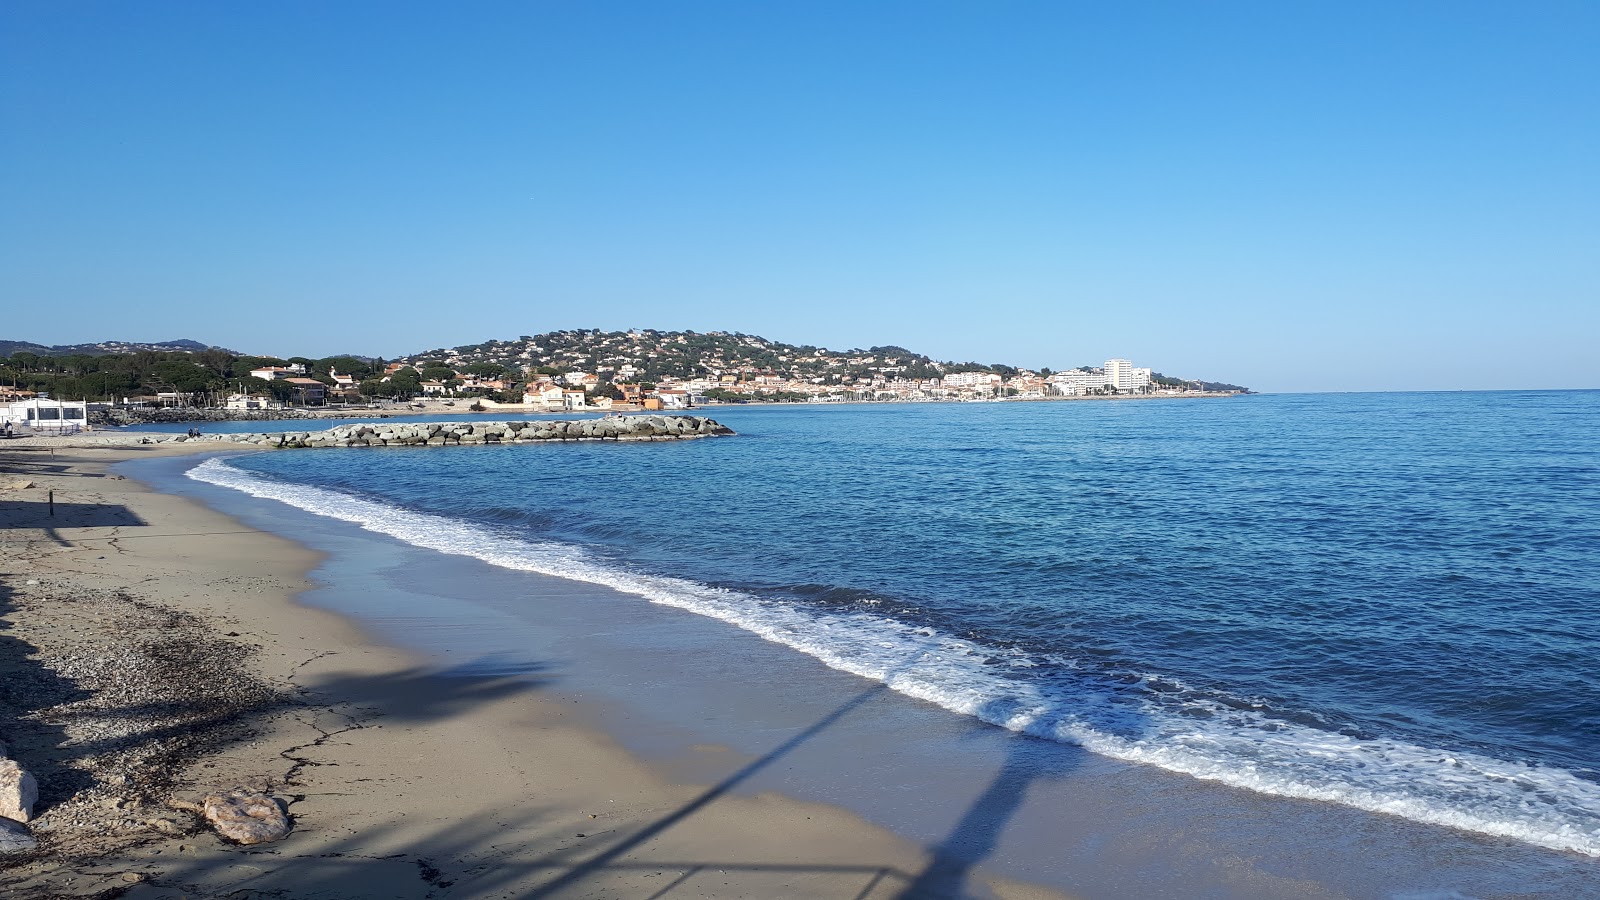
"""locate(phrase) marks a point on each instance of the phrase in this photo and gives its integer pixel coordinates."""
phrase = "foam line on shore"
(1545, 806)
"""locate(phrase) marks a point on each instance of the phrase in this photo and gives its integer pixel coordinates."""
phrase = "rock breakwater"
(438, 434)
(145, 416)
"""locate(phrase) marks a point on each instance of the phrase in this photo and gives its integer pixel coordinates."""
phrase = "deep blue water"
(1385, 600)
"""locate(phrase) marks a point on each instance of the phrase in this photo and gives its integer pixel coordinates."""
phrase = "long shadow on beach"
(973, 839)
(27, 688)
(527, 851)
(976, 836)
(50, 517)
(644, 835)
(486, 857)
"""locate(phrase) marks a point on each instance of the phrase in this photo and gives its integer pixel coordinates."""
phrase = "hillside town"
(564, 371)
(578, 390)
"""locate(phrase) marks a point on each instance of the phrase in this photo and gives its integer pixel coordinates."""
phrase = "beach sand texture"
(151, 649)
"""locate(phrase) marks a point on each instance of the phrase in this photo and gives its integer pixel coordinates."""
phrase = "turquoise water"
(1383, 600)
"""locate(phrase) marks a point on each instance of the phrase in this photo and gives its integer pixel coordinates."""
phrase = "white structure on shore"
(1076, 382)
(46, 415)
(249, 401)
(1119, 374)
(971, 380)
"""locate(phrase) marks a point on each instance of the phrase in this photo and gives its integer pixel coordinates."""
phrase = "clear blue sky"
(1293, 196)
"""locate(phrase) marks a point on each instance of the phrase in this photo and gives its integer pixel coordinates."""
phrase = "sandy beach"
(152, 650)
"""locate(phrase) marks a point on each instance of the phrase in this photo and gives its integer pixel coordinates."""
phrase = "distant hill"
(649, 355)
(8, 348)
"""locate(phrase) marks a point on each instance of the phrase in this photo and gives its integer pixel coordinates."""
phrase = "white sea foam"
(1546, 806)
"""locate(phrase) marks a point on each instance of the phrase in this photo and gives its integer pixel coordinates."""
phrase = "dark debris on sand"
(109, 699)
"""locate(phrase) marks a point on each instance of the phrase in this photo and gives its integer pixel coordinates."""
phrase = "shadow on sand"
(512, 855)
(27, 688)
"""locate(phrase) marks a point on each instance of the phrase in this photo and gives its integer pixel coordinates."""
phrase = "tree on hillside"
(243, 365)
(486, 370)
(346, 365)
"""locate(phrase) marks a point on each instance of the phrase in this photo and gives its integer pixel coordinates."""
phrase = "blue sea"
(1387, 601)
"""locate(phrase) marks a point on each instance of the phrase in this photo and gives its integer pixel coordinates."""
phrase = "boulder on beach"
(245, 817)
(15, 837)
(18, 792)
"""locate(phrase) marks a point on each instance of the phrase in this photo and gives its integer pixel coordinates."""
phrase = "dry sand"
(151, 648)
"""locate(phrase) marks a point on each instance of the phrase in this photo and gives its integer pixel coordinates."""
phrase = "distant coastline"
(132, 418)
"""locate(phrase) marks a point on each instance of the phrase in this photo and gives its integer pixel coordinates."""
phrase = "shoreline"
(435, 408)
(694, 701)
(403, 780)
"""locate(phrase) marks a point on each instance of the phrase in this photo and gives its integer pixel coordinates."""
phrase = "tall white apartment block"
(1121, 375)
(1118, 371)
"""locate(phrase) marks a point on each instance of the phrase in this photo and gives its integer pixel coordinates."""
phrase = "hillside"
(649, 355)
(11, 348)
(716, 366)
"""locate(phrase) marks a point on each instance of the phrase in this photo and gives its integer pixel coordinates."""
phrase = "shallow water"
(1387, 601)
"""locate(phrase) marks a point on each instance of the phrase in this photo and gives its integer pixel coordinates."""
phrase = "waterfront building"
(1077, 382)
(248, 401)
(544, 393)
(44, 414)
(971, 380)
(1121, 374)
(308, 391)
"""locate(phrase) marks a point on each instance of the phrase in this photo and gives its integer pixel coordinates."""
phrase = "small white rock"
(18, 792)
(246, 817)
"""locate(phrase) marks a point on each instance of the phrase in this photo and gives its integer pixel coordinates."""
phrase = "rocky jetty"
(139, 415)
(438, 434)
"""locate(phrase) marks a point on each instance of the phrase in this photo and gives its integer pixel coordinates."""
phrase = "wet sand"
(403, 779)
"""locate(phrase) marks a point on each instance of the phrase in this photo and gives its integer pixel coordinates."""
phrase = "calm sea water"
(1385, 600)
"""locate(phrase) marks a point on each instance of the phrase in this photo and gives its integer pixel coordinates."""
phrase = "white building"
(277, 373)
(47, 415)
(972, 380)
(1076, 382)
(1121, 375)
(544, 394)
(248, 401)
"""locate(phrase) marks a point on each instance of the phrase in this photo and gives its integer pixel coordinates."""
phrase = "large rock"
(245, 817)
(18, 792)
(14, 837)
